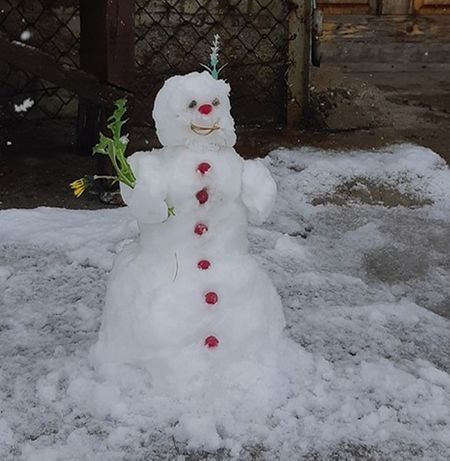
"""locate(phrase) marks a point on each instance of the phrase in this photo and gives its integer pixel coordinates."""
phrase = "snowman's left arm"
(259, 191)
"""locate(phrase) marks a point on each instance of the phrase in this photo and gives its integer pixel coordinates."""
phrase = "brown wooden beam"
(106, 51)
(41, 64)
(107, 40)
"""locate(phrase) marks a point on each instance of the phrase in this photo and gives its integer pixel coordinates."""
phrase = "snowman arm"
(259, 191)
(147, 200)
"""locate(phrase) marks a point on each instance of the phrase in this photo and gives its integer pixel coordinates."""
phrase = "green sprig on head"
(213, 68)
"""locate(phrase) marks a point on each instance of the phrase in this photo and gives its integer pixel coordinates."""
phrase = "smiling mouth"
(204, 130)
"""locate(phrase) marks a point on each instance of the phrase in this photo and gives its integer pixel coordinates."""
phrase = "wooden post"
(106, 51)
(299, 52)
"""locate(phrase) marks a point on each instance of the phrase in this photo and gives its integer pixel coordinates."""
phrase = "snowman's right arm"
(146, 200)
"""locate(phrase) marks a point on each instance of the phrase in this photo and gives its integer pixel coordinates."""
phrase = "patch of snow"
(6, 434)
(370, 376)
(5, 273)
(24, 106)
(25, 35)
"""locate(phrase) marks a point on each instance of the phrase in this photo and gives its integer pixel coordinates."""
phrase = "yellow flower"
(79, 186)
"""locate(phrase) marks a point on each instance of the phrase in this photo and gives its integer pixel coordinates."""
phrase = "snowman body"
(186, 297)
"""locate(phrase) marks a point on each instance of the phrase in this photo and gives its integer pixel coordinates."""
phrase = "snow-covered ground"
(362, 293)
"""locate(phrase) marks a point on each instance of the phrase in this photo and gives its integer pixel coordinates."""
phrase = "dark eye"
(192, 104)
(216, 102)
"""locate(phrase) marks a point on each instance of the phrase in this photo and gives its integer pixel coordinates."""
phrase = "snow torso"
(186, 186)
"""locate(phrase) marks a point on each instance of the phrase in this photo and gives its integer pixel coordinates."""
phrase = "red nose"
(205, 109)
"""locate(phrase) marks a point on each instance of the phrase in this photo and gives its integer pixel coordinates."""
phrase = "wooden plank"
(332, 7)
(41, 64)
(431, 7)
(436, 2)
(352, 67)
(299, 62)
(375, 29)
(389, 40)
(392, 54)
(396, 7)
(342, 2)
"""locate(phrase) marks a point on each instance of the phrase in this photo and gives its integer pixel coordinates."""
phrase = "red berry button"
(211, 298)
(200, 229)
(203, 265)
(202, 196)
(203, 168)
(211, 342)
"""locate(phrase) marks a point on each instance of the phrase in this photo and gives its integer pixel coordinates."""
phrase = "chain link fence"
(174, 36)
(53, 27)
(171, 37)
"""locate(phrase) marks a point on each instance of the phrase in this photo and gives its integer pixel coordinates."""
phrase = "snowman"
(186, 300)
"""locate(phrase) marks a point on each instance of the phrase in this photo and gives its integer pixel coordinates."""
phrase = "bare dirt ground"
(367, 109)
(357, 110)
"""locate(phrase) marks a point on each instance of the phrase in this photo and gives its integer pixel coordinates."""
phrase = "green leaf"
(114, 147)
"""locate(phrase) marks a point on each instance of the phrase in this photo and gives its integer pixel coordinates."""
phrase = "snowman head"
(194, 109)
